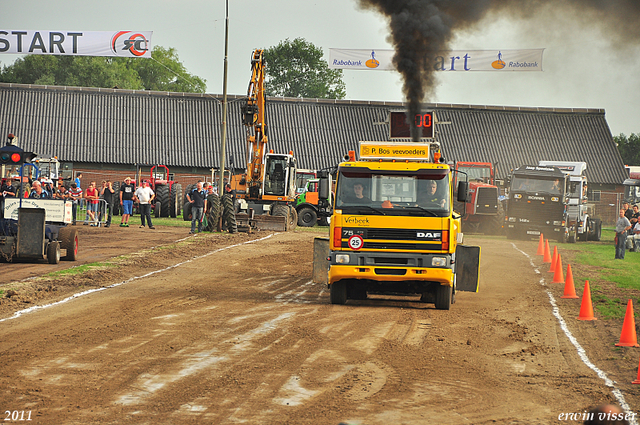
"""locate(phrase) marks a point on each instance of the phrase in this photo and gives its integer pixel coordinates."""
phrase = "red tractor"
(168, 200)
(484, 213)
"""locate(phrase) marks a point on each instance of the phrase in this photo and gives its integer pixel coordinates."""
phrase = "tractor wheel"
(186, 212)
(69, 241)
(163, 197)
(229, 214)
(53, 252)
(188, 191)
(307, 217)
(116, 199)
(176, 200)
(213, 212)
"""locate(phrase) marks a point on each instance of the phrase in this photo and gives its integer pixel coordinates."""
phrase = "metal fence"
(99, 217)
(605, 206)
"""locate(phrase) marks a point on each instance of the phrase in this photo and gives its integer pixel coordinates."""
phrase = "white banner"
(129, 44)
(56, 210)
(455, 60)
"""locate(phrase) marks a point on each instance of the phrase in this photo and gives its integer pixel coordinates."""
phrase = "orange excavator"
(270, 178)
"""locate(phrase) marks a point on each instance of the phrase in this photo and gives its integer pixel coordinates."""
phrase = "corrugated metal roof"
(112, 126)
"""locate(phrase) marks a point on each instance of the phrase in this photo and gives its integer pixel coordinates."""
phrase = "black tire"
(338, 293)
(357, 292)
(281, 210)
(163, 197)
(213, 212)
(188, 191)
(596, 232)
(307, 217)
(53, 252)
(585, 235)
(229, 214)
(116, 199)
(176, 200)
(293, 218)
(186, 212)
(444, 297)
(69, 240)
(573, 235)
(325, 221)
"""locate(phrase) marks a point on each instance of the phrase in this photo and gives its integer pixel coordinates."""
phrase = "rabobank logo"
(498, 64)
(373, 62)
(135, 44)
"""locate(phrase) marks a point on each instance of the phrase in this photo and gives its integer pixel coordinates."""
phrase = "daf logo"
(428, 235)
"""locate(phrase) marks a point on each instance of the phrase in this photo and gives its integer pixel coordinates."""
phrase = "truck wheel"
(597, 233)
(338, 293)
(325, 221)
(573, 235)
(293, 218)
(307, 217)
(53, 252)
(282, 211)
(443, 297)
(69, 241)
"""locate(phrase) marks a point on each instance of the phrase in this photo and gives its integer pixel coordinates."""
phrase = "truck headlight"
(512, 219)
(439, 261)
(342, 258)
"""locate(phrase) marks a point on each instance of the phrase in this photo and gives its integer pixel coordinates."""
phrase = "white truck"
(579, 215)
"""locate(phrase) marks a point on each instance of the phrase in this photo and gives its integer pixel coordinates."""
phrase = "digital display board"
(399, 127)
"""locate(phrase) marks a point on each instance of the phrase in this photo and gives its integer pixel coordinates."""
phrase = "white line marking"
(581, 351)
(90, 291)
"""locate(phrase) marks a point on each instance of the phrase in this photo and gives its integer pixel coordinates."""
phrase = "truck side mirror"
(323, 185)
(463, 191)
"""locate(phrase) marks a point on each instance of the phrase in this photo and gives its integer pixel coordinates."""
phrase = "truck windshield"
(477, 173)
(536, 184)
(393, 193)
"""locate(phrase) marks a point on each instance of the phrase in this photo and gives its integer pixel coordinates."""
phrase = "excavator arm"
(254, 117)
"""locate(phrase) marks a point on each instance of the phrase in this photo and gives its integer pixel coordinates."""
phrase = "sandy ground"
(226, 329)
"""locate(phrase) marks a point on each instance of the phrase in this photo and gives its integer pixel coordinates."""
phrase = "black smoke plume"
(420, 28)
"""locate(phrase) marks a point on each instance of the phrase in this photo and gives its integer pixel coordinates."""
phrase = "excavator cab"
(279, 176)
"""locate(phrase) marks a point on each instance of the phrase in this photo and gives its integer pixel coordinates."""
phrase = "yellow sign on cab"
(397, 151)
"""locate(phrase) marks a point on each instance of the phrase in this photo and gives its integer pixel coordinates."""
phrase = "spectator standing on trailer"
(145, 196)
(126, 200)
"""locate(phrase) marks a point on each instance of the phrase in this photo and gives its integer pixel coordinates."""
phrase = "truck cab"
(394, 229)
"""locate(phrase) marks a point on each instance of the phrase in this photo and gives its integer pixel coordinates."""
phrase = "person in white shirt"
(145, 196)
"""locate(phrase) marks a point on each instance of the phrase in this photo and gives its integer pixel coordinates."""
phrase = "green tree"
(296, 69)
(163, 72)
(629, 148)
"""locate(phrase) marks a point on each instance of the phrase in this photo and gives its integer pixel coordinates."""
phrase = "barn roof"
(113, 126)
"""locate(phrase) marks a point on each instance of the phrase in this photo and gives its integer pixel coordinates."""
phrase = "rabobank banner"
(455, 60)
(130, 44)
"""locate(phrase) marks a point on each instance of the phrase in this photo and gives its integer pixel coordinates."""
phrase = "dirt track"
(236, 332)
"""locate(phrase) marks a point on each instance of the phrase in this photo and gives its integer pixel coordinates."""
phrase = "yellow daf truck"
(394, 230)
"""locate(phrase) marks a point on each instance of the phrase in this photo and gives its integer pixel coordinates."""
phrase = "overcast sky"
(583, 66)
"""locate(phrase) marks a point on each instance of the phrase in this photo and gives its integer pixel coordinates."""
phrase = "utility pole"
(224, 105)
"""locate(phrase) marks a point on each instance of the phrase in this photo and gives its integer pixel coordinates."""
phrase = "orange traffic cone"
(637, 381)
(586, 308)
(554, 260)
(558, 275)
(569, 288)
(547, 257)
(540, 246)
(628, 336)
